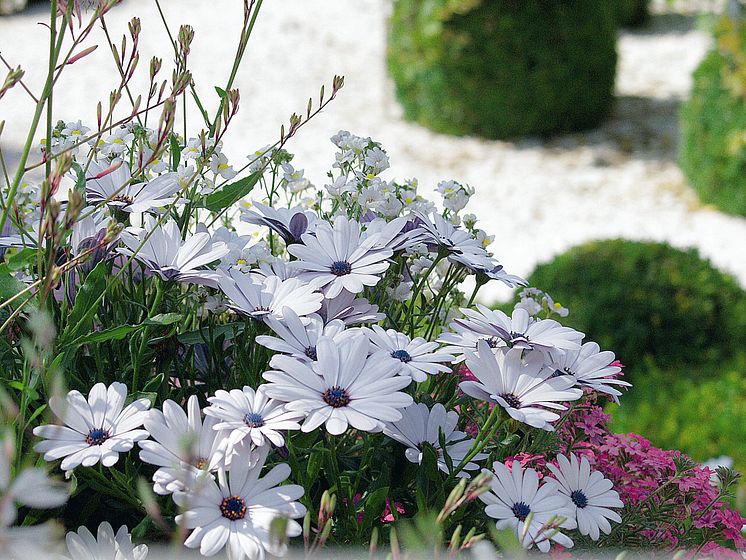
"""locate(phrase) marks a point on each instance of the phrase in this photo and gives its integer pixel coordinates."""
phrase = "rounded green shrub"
(703, 417)
(648, 301)
(713, 127)
(503, 68)
(633, 13)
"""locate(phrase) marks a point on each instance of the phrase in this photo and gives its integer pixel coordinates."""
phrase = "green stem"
(144, 341)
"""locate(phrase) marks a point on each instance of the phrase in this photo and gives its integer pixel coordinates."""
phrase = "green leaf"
(22, 259)
(80, 321)
(221, 92)
(9, 284)
(164, 319)
(114, 333)
(229, 331)
(80, 177)
(374, 504)
(429, 464)
(230, 194)
(175, 151)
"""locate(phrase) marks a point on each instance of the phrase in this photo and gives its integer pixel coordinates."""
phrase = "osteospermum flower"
(344, 387)
(416, 358)
(590, 495)
(515, 496)
(263, 297)
(590, 368)
(94, 430)
(518, 331)
(290, 223)
(164, 252)
(420, 425)
(249, 415)
(295, 338)
(460, 245)
(116, 190)
(524, 387)
(105, 545)
(236, 511)
(350, 309)
(341, 257)
(182, 447)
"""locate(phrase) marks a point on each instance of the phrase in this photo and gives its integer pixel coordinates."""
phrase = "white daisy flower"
(236, 511)
(250, 415)
(513, 496)
(184, 445)
(341, 257)
(416, 358)
(524, 387)
(105, 546)
(289, 223)
(261, 297)
(519, 331)
(591, 368)
(295, 338)
(420, 425)
(350, 310)
(590, 495)
(344, 387)
(167, 255)
(117, 142)
(94, 430)
(438, 233)
(220, 166)
(89, 232)
(116, 190)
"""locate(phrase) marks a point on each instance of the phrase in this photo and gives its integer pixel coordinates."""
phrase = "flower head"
(82, 545)
(290, 223)
(591, 368)
(590, 495)
(295, 338)
(94, 430)
(533, 512)
(237, 510)
(343, 387)
(420, 425)
(524, 387)
(116, 189)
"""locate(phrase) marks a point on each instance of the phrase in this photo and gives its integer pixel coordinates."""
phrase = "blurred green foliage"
(633, 13)
(713, 122)
(504, 68)
(700, 414)
(649, 300)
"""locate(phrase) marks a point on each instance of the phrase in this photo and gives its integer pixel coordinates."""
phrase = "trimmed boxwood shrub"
(503, 68)
(648, 300)
(633, 13)
(713, 129)
(702, 417)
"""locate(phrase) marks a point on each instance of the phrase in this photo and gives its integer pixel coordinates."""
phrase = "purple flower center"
(493, 341)
(402, 355)
(253, 420)
(512, 400)
(579, 499)
(311, 353)
(336, 397)
(521, 510)
(96, 436)
(233, 508)
(340, 268)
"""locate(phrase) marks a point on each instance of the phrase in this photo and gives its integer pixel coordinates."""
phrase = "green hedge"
(648, 300)
(713, 128)
(702, 417)
(503, 68)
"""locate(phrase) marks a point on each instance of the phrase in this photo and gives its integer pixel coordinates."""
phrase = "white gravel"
(537, 197)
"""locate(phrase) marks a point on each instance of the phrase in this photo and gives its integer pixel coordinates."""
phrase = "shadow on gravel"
(667, 24)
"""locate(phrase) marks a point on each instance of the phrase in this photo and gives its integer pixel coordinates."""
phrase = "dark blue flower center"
(579, 499)
(253, 420)
(336, 397)
(493, 342)
(96, 436)
(512, 400)
(521, 510)
(311, 352)
(340, 268)
(233, 508)
(402, 355)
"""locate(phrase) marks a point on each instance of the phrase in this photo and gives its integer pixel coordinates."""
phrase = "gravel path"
(538, 197)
